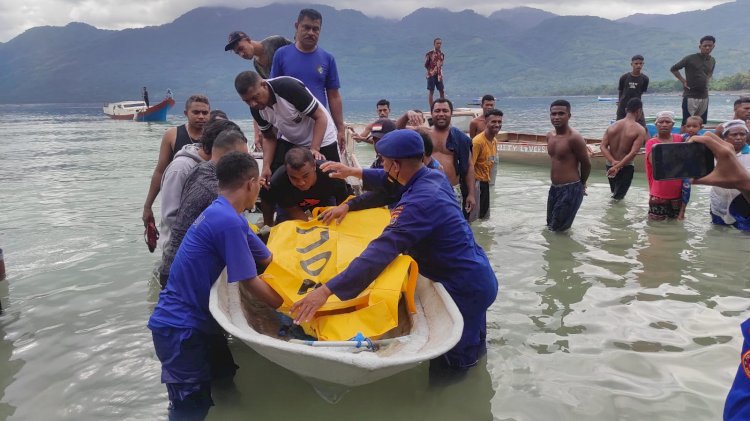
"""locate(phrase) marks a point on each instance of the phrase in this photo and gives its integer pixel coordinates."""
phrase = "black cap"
(382, 126)
(233, 38)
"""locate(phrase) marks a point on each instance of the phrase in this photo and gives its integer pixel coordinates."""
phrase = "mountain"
(520, 51)
(521, 18)
(714, 21)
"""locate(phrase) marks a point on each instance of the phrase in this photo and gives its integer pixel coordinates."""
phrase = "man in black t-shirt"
(300, 185)
(632, 85)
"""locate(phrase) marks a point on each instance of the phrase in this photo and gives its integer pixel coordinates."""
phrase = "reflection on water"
(617, 318)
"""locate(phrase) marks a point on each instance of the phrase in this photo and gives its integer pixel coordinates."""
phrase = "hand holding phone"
(681, 160)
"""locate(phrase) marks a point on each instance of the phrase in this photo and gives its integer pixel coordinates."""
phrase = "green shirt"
(698, 71)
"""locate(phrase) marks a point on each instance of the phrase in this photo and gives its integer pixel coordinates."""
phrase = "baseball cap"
(382, 126)
(233, 38)
(400, 144)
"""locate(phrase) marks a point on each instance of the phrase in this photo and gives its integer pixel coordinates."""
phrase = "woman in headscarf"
(728, 207)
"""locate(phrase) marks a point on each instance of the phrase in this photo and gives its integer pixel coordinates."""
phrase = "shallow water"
(617, 319)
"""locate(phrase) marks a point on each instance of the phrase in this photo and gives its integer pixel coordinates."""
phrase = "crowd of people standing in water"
(435, 179)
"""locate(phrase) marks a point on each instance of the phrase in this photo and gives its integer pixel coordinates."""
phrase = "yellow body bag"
(306, 254)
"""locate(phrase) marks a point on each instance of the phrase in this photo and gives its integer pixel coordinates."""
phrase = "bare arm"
(410, 118)
(319, 130)
(604, 147)
(165, 152)
(679, 77)
(473, 129)
(269, 150)
(471, 199)
(336, 104)
(295, 212)
(636, 147)
(259, 289)
(582, 155)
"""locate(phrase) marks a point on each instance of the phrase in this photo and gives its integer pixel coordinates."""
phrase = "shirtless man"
(621, 142)
(477, 125)
(452, 149)
(196, 111)
(569, 170)
(741, 112)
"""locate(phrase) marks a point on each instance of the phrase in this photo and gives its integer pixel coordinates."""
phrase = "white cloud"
(16, 17)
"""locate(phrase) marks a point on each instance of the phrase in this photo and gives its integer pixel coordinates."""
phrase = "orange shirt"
(483, 153)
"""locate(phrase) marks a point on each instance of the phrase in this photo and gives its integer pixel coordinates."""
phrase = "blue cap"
(400, 144)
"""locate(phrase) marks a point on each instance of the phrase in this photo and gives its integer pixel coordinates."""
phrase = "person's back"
(172, 183)
(621, 135)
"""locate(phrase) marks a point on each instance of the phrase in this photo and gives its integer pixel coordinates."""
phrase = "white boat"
(433, 330)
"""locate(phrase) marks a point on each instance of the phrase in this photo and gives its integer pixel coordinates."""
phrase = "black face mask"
(391, 179)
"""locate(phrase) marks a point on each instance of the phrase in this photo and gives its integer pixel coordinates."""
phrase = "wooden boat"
(433, 330)
(138, 111)
(531, 149)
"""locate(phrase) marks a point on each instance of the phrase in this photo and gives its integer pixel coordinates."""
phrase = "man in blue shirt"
(315, 67)
(427, 223)
(189, 343)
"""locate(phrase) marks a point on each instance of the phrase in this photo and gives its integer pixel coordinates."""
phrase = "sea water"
(619, 318)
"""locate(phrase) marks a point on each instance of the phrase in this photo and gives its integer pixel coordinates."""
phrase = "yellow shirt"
(483, 153)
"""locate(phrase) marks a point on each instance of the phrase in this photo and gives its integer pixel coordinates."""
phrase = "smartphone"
(681, 160)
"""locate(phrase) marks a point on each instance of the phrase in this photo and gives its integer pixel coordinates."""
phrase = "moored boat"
(531, 149)
(138, 111)
(606, 99)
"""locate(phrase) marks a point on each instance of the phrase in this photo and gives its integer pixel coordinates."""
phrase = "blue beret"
(400, 144)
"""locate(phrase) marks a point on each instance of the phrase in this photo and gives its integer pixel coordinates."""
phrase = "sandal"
(150, 235)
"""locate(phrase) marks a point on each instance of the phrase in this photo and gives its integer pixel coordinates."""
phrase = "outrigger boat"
(138, 111)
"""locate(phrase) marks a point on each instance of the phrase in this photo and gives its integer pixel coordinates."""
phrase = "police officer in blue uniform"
(428, 224)
(737, 406)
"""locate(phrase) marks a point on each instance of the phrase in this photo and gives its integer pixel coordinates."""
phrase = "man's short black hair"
(229, 139)
(637, 57)
(212, 129)
(436, 40)
(560, 103)
(492, 112)
(216, 115)
(246, 80)
(311, 14)
(633, 105)
(296, 158)
(708, 38)
(383, 102)
(487, 97)
(196, 98)
(234, 169)
(442, 101)
(742, 100)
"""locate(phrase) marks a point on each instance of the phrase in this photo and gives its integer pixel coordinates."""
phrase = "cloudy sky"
(16, 16)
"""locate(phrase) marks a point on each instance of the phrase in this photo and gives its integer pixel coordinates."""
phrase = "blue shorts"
(563, 202)
(433, 82)
(190, 360)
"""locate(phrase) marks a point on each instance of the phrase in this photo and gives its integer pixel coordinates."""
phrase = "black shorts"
(620, 183)
(433, 82)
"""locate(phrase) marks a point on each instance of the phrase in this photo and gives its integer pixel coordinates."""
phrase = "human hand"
(265, 176)
(317, 155)
(337, 170)
(471, 202)
(258, 145)
(336, 213)
(304, 309)
(685, 85)
(612, 171)
(148, 216)
(341, 138)
(414, 118)
(728, 173)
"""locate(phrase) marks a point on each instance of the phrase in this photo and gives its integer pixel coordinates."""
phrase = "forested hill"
(512, 52)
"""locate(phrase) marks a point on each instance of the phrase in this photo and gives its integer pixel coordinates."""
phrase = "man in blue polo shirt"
(427, 223)
(315, 67)
(189, 343)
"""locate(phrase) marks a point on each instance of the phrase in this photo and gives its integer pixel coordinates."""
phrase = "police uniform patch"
(395, 214)
(746, 363)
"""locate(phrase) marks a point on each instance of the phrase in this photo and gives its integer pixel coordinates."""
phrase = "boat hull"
(531, 149)
(433, 330)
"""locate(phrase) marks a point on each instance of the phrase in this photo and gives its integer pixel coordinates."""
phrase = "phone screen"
(681, 160)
